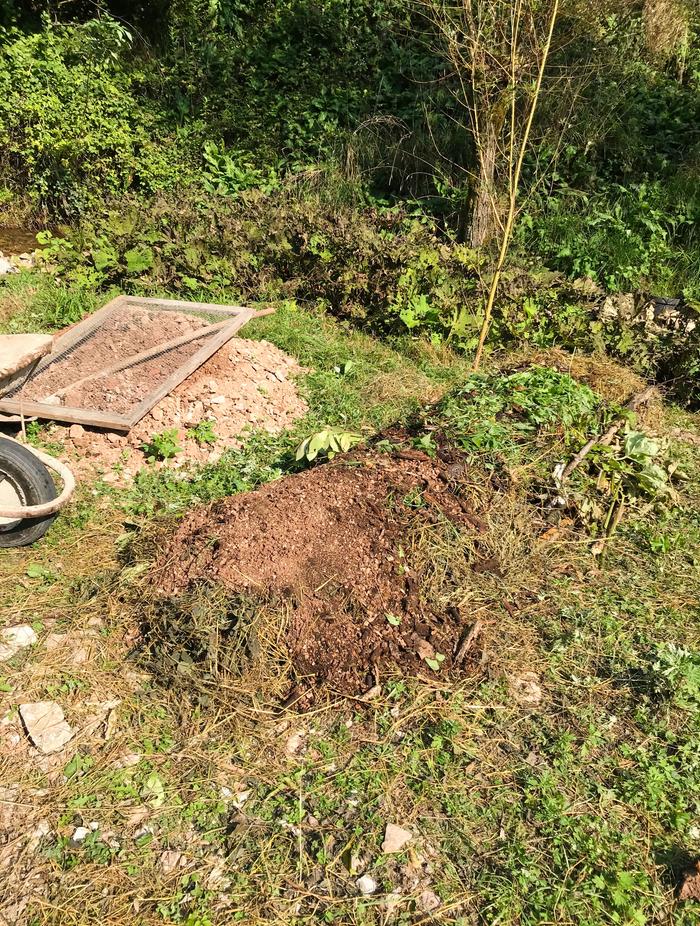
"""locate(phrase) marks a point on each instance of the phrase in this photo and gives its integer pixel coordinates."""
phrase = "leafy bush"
(379, 267)
(330, 442)
(626, 238)
(74, 123)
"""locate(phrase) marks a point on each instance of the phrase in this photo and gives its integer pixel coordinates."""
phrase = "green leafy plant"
(203, 432)
(435, 662)
(675, 671)
(228, 174)
(330, 441)
(162, 446)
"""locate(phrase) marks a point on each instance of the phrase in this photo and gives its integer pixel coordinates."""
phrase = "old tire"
(24, 480)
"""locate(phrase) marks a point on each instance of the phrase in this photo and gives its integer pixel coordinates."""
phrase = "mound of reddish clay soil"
(246, 384)
(328, 542)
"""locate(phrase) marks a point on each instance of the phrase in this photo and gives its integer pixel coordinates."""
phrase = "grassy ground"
(557, 783)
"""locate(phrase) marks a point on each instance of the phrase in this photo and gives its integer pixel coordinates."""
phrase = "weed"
(163, 446)
(329, 442)
(203, 432)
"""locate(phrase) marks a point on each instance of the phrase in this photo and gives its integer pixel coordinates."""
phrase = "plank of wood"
(134, 359)
(64, 413)
(176, 305)
(177, 376)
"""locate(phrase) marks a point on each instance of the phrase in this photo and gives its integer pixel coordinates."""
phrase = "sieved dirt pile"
(123, 334)
(327, 543)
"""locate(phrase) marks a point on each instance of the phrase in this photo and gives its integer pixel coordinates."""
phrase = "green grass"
(580, 810)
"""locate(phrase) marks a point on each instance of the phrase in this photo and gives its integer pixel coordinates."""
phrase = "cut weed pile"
(343, 558)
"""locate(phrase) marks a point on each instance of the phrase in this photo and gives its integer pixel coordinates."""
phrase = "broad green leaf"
(138, 259)
(153, 790)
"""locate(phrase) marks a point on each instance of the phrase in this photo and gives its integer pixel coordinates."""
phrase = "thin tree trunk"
(514, 184)
(483, 219)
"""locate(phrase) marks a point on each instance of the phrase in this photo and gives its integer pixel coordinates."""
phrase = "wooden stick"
(468, 641)
(133, 359)
(639, 399)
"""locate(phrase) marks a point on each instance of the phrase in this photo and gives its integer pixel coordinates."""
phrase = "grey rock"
(14, 639)
(366, 885)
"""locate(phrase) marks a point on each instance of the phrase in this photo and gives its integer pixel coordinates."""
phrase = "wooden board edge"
(65, 413)
(177, 305)
(187, 369)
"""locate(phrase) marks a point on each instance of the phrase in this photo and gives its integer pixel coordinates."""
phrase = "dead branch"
(606, 439)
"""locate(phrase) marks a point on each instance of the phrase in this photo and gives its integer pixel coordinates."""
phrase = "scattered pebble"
(366, 885)
(428, 901)
(395, 838)
(294, 743)
(45, 725)
(14, 639)
(79, 835)
(127, 760)
(170, 860)
(526, 689)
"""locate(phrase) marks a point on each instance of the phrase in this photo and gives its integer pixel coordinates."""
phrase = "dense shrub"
(75, 124)
(642, 236)
(377, 267)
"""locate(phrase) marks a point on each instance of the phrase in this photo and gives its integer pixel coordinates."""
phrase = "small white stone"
(294, 743)
(395, 838)
(526, 689)
(14, 639)
(241, 798)
(366, 885)
(79, 835)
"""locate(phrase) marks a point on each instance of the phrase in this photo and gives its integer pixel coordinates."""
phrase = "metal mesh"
(95, 381)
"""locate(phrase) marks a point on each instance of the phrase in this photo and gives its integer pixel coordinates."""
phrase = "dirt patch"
(327, 543)
(690, 887)
(247, 384)
(17, 240)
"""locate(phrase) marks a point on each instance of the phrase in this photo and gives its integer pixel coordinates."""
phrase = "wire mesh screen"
(115, 365)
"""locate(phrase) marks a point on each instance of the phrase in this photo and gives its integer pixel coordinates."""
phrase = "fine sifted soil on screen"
(123, 334)
(328, 544)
